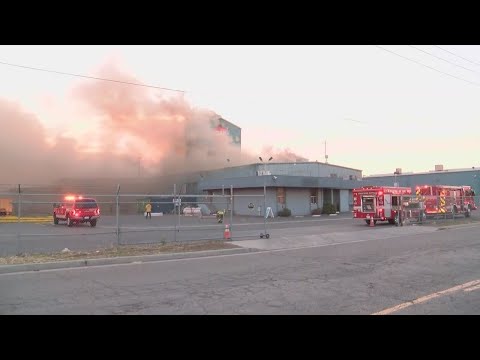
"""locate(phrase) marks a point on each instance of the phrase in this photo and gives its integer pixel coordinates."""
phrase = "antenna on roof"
(326, 156)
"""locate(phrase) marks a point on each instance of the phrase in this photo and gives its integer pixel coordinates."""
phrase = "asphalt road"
(135, 229)
(427, 271)
(43, 238)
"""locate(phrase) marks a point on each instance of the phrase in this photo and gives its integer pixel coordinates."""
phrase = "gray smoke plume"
(142, 131)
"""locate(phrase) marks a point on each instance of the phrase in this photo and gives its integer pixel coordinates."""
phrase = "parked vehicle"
(76, 210)
(446, 199)
(379, 203)
(6, 207)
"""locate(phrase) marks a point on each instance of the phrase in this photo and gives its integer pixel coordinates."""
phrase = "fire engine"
(76, 209)
(446, 199)
(378, 203)
(470, 196)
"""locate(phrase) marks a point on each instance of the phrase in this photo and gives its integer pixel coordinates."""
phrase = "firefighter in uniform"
(148, 210)
(220, 214)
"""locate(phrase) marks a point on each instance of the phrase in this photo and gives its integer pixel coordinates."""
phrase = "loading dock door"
(298, 201)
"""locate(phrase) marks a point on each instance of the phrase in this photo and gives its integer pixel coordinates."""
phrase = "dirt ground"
(130, 250)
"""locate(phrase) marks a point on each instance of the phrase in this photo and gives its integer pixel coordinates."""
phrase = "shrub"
(316, 211)
(329, 209)
(285, 212)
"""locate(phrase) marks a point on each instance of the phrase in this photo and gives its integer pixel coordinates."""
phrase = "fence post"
(454, 200)
(231, 210)
(19, 202)
(118, 214)
(174, 207)
(19, 210)
(179, 202)
(264, 212)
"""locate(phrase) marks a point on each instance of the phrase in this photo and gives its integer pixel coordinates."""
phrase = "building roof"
(312, 162)
(473, 168)
(280, 163)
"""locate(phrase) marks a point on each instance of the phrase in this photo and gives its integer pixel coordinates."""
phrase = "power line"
(357, 121)
(418, 62)
(461, 57)
(90, 77)
(438, 57)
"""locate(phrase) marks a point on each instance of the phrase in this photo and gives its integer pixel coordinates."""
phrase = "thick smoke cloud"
(26, 157)
(138, 128)
(283, 155)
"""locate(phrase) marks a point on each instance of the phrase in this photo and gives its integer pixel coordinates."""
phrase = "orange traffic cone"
(372, 222)
(226, 232)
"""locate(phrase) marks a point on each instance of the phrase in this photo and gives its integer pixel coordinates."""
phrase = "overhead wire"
(440, 58)
(427, 66)
(89, 77)
(461, 57)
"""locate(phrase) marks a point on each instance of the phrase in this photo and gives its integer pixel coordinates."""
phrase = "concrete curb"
(25, 221)
(453, 226)
(5, 269)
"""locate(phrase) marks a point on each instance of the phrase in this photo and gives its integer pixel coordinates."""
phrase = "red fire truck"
(470, 196)
(378, 203)
(446, 199)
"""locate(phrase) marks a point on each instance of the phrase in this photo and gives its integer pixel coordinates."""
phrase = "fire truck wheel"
(55, 219)
(69, 222)
(93, 223)
(391, 221)
(467, 213)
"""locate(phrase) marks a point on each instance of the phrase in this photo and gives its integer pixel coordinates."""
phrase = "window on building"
(281, 195)
(313, 196)
(333, 175)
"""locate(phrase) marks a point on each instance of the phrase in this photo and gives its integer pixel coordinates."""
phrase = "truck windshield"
(85, 204)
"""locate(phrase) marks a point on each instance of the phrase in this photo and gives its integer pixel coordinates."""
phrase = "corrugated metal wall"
(344, 200)
(298, 201)
(255, 197)
(233, 172)
(281, 181)
(309, 169)
(296, 169)
(219, 202)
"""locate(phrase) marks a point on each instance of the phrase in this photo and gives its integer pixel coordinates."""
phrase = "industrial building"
(233, 131)
(300, 187)
(438, 176)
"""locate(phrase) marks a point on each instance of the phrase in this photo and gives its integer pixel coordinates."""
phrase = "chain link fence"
(27, 225)
(416, 210)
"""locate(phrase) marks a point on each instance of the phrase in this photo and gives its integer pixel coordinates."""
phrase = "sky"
(376, 110)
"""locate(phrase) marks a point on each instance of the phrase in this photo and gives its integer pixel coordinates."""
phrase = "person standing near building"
(148, 210)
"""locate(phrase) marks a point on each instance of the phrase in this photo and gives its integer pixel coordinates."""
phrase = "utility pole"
(326, 156)
(265, 192)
